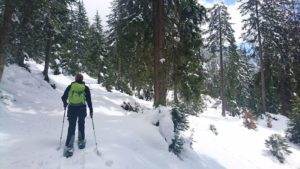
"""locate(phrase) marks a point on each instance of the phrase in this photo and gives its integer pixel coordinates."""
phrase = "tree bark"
(5, 30)
(175, 92)
(160, 89)
(47, 58)
(221, 66)
(99, 75)
(175, 81)
(296, 42)
(262, 69)
(27, 13)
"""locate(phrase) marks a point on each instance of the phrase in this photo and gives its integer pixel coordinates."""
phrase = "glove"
(91, 113)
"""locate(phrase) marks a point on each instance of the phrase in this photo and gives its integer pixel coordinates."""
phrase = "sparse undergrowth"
(278, 147)
(249, 120)
(213, 129)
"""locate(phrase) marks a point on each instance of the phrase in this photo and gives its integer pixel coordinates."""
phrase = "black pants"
(74, 113)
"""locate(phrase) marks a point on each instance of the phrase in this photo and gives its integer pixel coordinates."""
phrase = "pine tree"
(220, 33)
(131, 41)
(183, 42)
(160, 72)
(252, 10)
(22, 36)
(75, 51)
(55, 14)
(81, 27)
(211, 72)
(5, 30)
(238, 77)
(280, 47)
(96, 62)
(278, 147)
(1, 10)
(293, 131)
(276, 29)
(131, 49)
(294, 29)
(179, 117)
(278, 41)
(38, 32)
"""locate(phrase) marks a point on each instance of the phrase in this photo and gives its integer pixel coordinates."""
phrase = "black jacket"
(87, 94)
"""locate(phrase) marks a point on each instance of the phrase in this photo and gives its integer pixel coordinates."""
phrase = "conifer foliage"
(278, 147)
(220, 32)
(131, 36)
(58, 34)
(271, 29)
(97, 61)
(293, 132)
(179, 117)
(235, 73)
(252, 10)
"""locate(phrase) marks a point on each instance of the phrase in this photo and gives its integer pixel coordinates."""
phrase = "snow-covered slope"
(236, 147)
(31, 115)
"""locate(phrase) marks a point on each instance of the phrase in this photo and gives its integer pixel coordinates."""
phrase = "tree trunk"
(296, 42)
(119, 64)
(262, 69)
(160, 89)
(175, 80)
(47, 58)
(175, 92)
(27, 12)
(99, 75)
(221, 66)
(5, 30)
(286, 96)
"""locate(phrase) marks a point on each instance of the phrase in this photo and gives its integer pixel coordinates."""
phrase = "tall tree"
(293, 131)
(220, 33)
(295, 27)
(97, 56)
(130, 39)
(54, 13)
(5, 30)
(23, 31)
(238, 73)
(251, 9)
(277, 31)
(160, 88)
(74, 51)
(183, 42)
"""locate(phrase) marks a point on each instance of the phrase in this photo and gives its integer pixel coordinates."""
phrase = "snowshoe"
(68, 151)
(81, 144)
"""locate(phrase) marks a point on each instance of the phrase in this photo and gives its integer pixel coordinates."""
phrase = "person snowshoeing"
(75, 97)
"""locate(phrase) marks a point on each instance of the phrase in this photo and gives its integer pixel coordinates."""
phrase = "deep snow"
(31, 114)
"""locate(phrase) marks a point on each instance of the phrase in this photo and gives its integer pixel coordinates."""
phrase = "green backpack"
(76, 94)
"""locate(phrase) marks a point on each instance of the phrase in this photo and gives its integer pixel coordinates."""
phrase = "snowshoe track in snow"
(78, 160)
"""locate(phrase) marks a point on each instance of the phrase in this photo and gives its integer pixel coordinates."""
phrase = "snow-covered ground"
(31, 115)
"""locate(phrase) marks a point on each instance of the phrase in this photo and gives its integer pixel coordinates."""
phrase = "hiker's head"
(79, 77)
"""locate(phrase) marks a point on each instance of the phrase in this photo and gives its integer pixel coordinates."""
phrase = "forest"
(152, 48)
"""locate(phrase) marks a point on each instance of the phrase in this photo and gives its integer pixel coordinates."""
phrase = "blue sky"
(228, 2)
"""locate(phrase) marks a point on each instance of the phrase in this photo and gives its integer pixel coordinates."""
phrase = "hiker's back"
(77, 95)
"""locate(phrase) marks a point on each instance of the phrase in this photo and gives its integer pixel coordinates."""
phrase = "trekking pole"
(62, 128)
(97, 151)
